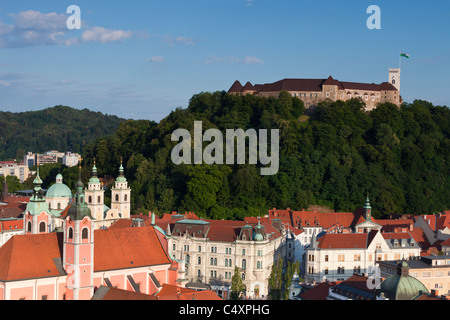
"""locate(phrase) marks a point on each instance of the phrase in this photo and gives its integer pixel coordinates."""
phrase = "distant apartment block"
(19, 170)
(68, 159)
(314, 91)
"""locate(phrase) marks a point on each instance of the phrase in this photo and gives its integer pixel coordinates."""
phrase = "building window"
(90, 199)
(117, 197)
(85, 234)
(125, 198)
(29, 226)
(199, 260)
(44, 297)
(70, 233)
(42, 227)
(244, 264)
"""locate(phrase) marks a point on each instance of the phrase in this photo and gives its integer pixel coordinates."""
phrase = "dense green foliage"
(334, 158)
(58, 128)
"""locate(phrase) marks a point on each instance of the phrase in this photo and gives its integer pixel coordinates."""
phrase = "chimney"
(434, 293)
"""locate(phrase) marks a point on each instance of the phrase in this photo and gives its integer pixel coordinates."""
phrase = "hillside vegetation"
(334, 157)
(58, 128)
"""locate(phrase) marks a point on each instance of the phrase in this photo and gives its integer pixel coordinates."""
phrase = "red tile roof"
(128, 248)
(30, 256)
(346, 240)
(171, 292)
(9, 225)
(115, 294)
(319, 292)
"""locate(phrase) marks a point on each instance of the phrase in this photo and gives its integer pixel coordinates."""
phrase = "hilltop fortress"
(313, 91)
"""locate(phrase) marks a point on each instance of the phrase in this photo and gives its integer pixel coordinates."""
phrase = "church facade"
(73, 261)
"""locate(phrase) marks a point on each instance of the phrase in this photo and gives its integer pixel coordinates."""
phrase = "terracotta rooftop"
(171, 292)
(319, 292)
(346, 240)
(115, 294)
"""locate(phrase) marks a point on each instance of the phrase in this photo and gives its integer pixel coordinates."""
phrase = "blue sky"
(142, 59)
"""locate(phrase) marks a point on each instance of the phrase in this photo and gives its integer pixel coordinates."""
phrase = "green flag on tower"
(404, 55)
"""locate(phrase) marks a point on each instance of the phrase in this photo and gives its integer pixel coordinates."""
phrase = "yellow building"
(432, 271)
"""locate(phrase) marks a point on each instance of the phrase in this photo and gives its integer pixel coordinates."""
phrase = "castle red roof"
(310, 85)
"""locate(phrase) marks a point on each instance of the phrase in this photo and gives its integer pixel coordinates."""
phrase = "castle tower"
(37, 218)
(78, 248)
(394, 77)
(120, 195)
(95, 195)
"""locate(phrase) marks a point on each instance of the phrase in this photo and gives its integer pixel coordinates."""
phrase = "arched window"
(70, 233)
(29, 226)
(99, 199)
(42, 227)
(90, 199)
(85, 233)
(59, 206)
(125, 198)
(244, 264)
(117, 197)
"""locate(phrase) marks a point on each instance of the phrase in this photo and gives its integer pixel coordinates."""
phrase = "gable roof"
(30, 257)
(124, 248)
(346, 240)
(319, 292)
(171, 292)
(115, 294)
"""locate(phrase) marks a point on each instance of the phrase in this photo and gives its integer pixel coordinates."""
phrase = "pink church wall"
(22, 293)
(46, 290)
(161, 276)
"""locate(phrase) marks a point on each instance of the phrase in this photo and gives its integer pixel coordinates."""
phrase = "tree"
(276, 280)
(237, 286)
(291, 269)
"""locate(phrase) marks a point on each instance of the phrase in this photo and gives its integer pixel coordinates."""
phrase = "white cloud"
(233, 59)
(248, 3)
(180, 39)
(253, 60)
(102, 35)
(33, 28)
(155, 59)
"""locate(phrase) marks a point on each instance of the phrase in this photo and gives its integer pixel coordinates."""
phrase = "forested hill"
(333, 157)
(58, 128)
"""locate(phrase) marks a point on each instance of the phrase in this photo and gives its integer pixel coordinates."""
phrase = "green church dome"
(59, 189)
(402, 286)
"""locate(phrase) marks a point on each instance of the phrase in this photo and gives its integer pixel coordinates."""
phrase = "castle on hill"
(313, 91)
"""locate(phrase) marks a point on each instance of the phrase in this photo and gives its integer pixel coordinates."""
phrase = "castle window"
(42, 227)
